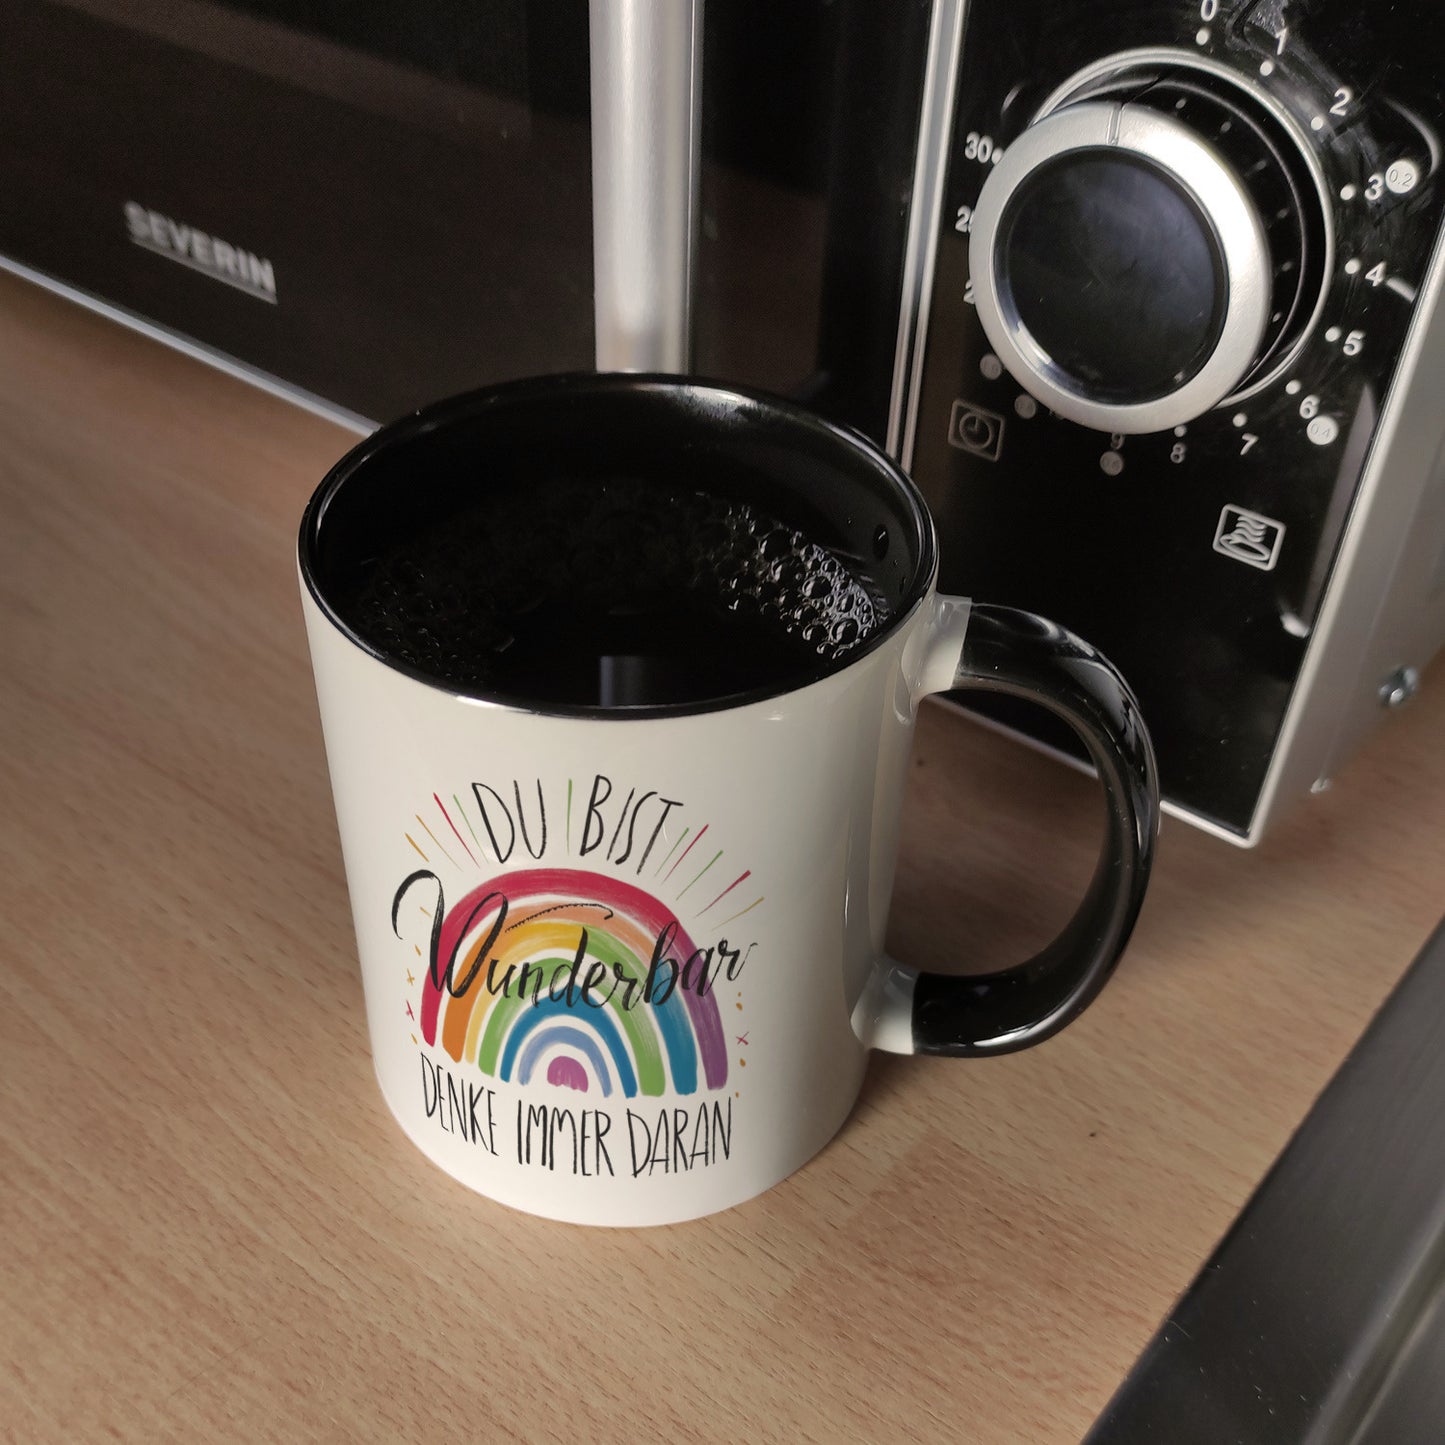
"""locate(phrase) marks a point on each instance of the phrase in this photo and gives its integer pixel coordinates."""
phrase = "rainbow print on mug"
(586, 973)
(581, 983)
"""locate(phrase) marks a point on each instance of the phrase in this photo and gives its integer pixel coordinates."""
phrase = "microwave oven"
(1146, 294)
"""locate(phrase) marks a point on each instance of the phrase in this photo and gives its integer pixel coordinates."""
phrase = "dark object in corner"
(1321, 1317)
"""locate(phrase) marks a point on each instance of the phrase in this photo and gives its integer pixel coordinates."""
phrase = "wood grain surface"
(210, 1228)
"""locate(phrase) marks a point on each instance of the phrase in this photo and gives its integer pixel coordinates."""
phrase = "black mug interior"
(603, 478)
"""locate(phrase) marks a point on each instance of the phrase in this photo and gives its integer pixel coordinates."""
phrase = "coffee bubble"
(570, 559)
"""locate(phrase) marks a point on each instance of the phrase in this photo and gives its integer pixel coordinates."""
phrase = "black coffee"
(612, 594)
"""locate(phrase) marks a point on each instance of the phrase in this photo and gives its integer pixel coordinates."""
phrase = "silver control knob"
(1120, 268)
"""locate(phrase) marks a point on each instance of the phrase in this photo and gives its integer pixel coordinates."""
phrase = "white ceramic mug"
(624, 964)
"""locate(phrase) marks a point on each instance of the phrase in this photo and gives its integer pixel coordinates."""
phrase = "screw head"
(1399, 687)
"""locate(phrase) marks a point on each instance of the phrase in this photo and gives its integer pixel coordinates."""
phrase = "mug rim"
(722, 396)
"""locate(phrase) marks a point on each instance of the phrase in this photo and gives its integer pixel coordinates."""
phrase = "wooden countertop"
(213, 1229)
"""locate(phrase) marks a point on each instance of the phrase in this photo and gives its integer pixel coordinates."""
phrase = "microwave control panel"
(1180, 251)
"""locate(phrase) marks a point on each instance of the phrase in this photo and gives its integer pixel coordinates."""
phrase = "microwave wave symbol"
(1249, 537)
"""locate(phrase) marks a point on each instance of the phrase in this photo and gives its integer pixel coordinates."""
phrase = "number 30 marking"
(977, 147)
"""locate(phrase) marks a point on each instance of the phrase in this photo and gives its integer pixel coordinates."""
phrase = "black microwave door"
(377, 204)
(381, 204)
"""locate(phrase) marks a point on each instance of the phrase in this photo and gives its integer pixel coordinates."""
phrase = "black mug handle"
(1024, 656)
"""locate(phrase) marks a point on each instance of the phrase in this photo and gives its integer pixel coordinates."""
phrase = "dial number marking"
(1249, 439)
(1343, 96)
(981, 148)
(1401, 177)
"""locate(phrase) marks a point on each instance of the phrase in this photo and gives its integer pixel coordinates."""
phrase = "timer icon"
(974, 429)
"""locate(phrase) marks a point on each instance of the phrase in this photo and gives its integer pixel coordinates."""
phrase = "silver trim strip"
(646, 101)
(935, 123)
(1398, 471)
(196, 350)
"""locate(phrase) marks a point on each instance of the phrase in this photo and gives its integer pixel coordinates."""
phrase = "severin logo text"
(218, 259)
